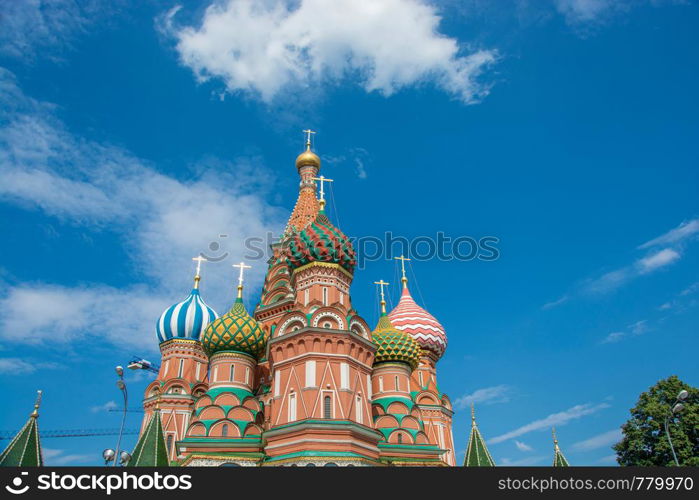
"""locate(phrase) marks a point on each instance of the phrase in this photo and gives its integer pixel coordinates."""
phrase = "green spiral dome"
(235, 331)
(394, 345)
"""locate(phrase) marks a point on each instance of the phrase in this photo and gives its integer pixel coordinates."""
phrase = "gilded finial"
(322, 180)
(308, 133)
(242, 268)
(199, 259)
(404, 278)
(381, 284)
(555, 439)
(473, 415)
(37, 403)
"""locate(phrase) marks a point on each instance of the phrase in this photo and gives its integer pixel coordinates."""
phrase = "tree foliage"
(645, 442)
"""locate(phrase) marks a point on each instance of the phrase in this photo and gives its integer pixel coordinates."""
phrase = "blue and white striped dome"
(186, 319)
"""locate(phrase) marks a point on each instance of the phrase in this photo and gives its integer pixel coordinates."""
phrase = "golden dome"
(308, 159)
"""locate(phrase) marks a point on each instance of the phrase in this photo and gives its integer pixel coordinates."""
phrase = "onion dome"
(394, 345)
(234, 331)
(320, 241)
(413, 319)
(186, 319)
(308, 159)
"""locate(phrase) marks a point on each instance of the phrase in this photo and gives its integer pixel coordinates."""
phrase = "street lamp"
(676, 408)
(122, 387)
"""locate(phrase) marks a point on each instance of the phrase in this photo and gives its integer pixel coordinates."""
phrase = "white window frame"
(277, 384)
(180, 369)
(344, 376)
(310, 373)
(359, 410)
(292, 407)
(325, 295)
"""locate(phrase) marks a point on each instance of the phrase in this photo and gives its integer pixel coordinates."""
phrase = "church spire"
(25, 448)
(307, 205)
(477, 454)
(150, 451)
(559, 460)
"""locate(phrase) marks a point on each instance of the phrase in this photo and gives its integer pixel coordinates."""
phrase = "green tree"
(645, 441)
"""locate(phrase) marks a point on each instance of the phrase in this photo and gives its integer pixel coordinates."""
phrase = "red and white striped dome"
(410, 317)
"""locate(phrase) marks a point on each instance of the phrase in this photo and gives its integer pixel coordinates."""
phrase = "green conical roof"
(559, 460)
(477, 454)
(150, 450)
(25, 449)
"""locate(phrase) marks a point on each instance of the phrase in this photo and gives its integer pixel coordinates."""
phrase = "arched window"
(224, 430)
(400, 438)
(325, 296)
(328, 407)
(232, 374)
(397, 385)
(180, 371)
(169, 445)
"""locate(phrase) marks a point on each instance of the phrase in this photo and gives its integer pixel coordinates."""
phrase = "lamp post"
(675, 409)
(110, 455)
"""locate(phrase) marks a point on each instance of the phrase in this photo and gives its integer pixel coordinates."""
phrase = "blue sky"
(133, 134)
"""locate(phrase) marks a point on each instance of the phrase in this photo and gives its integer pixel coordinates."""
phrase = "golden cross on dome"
(322, 180)
(402, 260)
(382, 284)
(199, 259)
(308, 133)
(242, 267)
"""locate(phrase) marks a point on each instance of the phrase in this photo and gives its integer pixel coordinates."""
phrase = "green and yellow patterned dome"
(234, 331)
(394, 345)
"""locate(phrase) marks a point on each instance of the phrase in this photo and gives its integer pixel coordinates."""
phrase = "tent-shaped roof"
(559, 460)
(150, 450)
(25, 448)
(477, 454)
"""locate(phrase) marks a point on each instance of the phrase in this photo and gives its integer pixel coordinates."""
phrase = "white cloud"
(657, 260)
(53, 457)
(486, 395)
(32, 27)
(555, 419)
(633, 330)
(685, 230)
(585, 11)
(523, 446)
(523, 462)
(163, 222)
(555, 303)
(34, 314)
(608, 459)
(603, 440)
(265, 48)
(17, 366)
(109, 405)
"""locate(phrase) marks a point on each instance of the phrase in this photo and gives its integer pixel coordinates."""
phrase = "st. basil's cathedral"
(303, 380)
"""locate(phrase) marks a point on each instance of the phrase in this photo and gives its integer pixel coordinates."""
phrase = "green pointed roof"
(25, 449)
(477, 454)
(150, 450)
(559, 460)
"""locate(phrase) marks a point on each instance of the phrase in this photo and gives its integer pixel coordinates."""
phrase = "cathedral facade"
(303, 380)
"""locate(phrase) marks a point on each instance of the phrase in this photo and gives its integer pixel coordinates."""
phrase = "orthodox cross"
(199, 259)
(402, 260)
(308, 133)
(322, 180)
(242, 267)
(382, 284)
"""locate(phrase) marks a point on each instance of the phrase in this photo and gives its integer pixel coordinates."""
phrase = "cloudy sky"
(134, 135)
